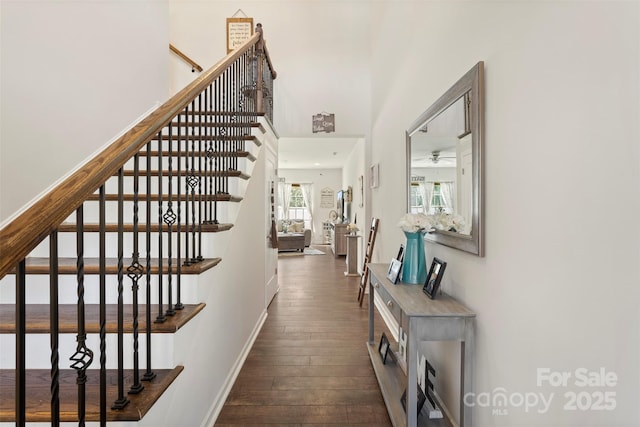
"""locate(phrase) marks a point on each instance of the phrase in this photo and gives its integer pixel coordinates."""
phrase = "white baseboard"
(218, 402)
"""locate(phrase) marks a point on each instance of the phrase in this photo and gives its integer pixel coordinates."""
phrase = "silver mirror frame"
(472, 81)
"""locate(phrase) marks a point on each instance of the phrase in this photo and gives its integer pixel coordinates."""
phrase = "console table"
(423, 319)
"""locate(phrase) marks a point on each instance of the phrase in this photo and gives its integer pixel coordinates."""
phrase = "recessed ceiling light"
(316, 164)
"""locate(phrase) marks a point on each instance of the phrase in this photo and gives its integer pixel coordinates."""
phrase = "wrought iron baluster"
(21, 331)
(54, 328)
(102, 266)
(149, 374)
(200, 161)
(188, 133)
(83, 356)
(169, 218)
(135, 272)
(178, 305)
(192, 182)
(216, 172)
(225, 150)
(121, 400)
(235, 122)
(160, 318)
(209, 161)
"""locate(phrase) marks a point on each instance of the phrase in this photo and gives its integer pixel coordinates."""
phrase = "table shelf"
(423, 319)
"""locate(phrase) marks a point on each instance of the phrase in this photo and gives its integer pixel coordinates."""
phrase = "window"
(437, 201)
(297, 206)
(416, 199)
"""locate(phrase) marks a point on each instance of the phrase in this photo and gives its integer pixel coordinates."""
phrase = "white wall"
(558, 287)
(310, 43)
(73, 76)
(354, 174)
(320, 178)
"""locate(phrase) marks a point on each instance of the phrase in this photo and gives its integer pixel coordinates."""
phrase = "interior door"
(271, 254)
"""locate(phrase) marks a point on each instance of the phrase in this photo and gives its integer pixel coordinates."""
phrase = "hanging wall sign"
(326, 198)
(239, 30)
(324, 122)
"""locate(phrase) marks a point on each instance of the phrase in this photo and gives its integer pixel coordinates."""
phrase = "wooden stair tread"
(223, 113)
(154, 173)
(37, 316)
(38, 398)
(213, 124)
(205, 138)
(165, 153)
(142, 228)
(174, 198)
(40, 265)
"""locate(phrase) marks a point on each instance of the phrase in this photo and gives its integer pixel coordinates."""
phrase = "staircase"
(91, 331)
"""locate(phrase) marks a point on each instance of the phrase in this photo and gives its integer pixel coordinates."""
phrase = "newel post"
(259, 71)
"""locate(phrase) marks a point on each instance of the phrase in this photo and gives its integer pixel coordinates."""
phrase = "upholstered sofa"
(296, 226)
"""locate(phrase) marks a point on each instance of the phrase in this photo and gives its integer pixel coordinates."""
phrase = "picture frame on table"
(436, 271)
(384, 348)
(394, 271)
(395, 266)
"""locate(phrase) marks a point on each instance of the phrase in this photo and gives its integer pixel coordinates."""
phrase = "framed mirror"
(445, 151)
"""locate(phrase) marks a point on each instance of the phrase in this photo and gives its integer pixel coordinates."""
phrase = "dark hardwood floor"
(309, 364)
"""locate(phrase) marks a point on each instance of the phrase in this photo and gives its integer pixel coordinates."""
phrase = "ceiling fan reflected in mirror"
(436, 156)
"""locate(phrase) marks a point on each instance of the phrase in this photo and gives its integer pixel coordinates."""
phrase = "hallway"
(309, 364)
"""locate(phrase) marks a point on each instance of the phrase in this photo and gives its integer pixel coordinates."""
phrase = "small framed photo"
(394, 271)
(400, 255)
(421, 399)
(384, 348)
(434, 277)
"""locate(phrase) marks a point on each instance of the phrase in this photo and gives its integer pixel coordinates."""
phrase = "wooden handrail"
(24, 233)
(194, 65)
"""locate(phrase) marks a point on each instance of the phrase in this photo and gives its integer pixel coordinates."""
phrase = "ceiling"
(314, 152)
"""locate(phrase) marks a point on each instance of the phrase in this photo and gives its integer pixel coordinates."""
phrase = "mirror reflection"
(444, 164)
(441, 167)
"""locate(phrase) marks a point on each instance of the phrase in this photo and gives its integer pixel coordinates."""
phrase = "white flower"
(412, 223)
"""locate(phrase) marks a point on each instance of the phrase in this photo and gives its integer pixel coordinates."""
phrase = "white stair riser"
(37, 290)
(38, 351)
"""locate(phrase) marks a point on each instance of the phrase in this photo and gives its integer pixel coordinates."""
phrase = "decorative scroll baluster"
(102, 266)
(54, 328)
(134, 272)
(83, 356)
(170, 219)
(21, 328)
(149, 374)
(160, 318)
(122, 400)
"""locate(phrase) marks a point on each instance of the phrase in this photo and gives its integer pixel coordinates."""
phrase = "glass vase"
(414, 266)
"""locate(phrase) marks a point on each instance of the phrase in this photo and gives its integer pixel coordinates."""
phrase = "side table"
(352, 255)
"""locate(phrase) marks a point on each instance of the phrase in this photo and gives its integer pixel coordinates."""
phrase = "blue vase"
(414, 268)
